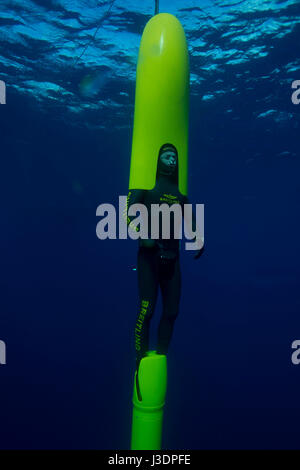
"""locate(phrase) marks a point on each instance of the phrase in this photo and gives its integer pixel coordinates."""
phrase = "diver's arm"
(135, 196)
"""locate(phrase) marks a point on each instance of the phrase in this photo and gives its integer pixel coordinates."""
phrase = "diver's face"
(169, 161)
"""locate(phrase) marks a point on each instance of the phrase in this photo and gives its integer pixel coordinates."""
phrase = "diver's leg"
(171, 292)
(148, 289)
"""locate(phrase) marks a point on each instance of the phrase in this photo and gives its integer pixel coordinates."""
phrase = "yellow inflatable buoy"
(161, 112)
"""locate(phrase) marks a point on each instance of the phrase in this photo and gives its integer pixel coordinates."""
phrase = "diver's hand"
(199, 253)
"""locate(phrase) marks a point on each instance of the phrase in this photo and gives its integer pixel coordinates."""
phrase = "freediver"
(158, 263)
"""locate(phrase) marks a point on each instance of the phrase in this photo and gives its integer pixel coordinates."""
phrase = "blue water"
(68, 300)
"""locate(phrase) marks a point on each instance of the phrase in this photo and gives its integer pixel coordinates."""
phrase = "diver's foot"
(158, 353)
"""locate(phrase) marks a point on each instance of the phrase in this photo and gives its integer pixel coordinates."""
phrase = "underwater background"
(69, 301)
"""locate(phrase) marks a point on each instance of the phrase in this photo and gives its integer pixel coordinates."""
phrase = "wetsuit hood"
(161, 167)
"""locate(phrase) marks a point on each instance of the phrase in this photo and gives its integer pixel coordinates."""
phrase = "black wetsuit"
(157, 266)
